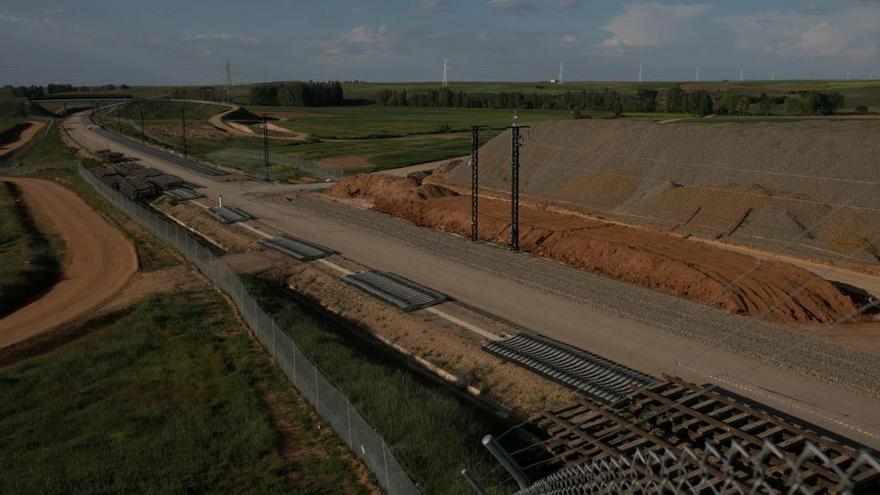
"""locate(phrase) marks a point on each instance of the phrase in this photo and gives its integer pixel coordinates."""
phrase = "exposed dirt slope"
(766, 184)
(99, 261)
(642, 256)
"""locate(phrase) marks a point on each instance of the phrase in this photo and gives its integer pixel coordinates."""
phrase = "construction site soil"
(806, 188)
(733, 282)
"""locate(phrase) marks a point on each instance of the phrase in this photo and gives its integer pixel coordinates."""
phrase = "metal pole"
(475, 187)
(183, 128)
(514, 189)
(472, 482)
(266, 147)
(506, 461)
(385, 461)
(317, 393)
(143, 131)
(348, 412)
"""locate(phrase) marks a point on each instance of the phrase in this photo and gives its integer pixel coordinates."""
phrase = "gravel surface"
(760, 184)
(784, 348)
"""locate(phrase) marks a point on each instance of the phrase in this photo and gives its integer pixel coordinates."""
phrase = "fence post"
(348, 413)
(385, 461)
(317, 391)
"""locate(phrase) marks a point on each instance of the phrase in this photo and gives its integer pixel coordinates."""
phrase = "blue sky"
(187, 41)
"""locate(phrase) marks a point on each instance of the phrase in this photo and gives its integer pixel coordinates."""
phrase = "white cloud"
(644, 25)
(852, 33)
(569, 4)
(567, 40)
(435, 5)
(510, 5)
(26, 21)
(239, 39)
(358, 42)
(365, 34)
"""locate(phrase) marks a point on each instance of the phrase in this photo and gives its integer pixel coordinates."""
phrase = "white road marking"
(463, 324)
(335, 267)
(255, 230)
(772, 397)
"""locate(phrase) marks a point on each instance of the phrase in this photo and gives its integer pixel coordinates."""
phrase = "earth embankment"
(732, 282)
(805, 188)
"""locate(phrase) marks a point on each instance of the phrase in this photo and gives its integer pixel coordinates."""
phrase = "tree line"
(673, 99)
(298, 94)
(36, 92)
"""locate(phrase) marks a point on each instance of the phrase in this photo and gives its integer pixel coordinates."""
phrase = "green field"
(164, 398)
(7, 123)
(28, 258)
(169, 110)
(432, 434)
(50, 149)
(377, 121)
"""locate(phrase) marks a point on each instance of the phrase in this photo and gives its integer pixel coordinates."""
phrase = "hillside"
(804, 187)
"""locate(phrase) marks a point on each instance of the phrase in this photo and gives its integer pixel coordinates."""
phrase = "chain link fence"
(283, 166)
(328, 401)
(712, 471)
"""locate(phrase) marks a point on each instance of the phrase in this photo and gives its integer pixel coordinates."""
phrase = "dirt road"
(99, 261)
(238, 129)
(25, 138)
(557, 301)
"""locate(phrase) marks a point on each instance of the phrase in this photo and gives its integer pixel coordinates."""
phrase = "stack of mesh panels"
(298, 249)
(592, 375)
(182, 194)
(393, 289)
(229, 214)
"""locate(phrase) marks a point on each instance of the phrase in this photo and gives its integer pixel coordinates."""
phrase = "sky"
(188, 41)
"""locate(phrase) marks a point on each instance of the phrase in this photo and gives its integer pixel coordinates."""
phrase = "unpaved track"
(99, 261)
(25, 138)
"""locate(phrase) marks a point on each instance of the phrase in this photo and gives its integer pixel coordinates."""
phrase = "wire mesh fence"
(330, 403)
(734, 470)
(283, 166)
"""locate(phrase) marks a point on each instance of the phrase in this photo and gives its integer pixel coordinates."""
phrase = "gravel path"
(826, 361)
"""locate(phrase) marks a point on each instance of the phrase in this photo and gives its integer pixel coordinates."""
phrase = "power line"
(228, 97)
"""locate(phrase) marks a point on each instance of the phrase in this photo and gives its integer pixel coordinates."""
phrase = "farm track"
(99, 262)
(827, 361)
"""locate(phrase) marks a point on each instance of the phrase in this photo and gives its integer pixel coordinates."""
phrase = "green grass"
(374, 120)
(49, 149)
(160, 401)
(433, 434)
(28, 258)
(7, 123)
(169, 110)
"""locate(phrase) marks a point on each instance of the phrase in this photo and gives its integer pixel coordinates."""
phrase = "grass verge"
(431, 432)
(29, 258)
(166, 399)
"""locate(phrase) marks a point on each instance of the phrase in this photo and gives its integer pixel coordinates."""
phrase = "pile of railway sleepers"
(132, 179)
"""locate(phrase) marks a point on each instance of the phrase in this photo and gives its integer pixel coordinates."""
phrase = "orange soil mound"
(646, 257)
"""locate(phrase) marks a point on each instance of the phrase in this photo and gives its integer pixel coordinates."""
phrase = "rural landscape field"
(507, 247)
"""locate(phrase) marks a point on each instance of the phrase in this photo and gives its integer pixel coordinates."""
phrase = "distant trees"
(814, 103)
(672, 99)
(298, 94)
(644, 100)
(31, 92)
(36, 92)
